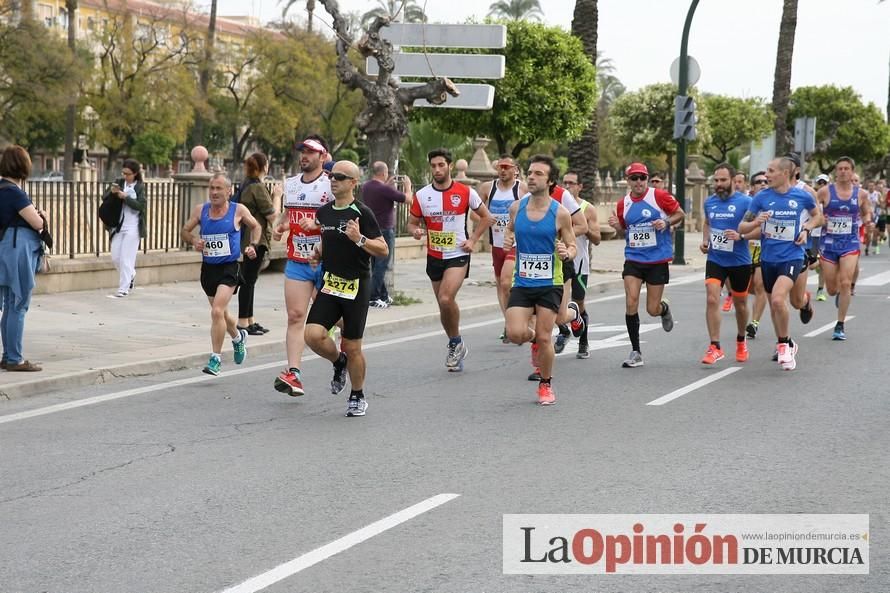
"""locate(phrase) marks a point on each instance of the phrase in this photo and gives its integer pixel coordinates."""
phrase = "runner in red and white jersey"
(303, 196)
(443, 207)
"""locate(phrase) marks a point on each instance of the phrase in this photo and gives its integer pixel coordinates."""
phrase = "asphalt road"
(184, 483)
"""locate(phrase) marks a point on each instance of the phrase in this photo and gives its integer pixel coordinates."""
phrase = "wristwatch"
(361, 242)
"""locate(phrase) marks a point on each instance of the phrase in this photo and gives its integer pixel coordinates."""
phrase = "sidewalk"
(84, 338)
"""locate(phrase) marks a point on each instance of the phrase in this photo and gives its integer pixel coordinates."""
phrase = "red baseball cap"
(311, 145)
(636, 169)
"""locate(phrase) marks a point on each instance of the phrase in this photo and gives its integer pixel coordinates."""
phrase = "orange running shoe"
(289, 382)
(546, 397)
(741, 351)
(727, 303)
(712, 355)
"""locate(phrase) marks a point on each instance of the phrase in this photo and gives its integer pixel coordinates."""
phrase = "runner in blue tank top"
(220, 243)
(728, 259)
(847, 208)
(542, 232)
(785, 216)
(645, 217)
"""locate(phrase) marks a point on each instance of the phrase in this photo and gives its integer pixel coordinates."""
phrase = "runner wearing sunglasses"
(758, 182)
(645, 217)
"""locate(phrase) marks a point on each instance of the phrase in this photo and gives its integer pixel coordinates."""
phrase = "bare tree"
(384, 119)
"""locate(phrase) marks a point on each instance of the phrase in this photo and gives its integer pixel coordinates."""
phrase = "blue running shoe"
(838, 334)
(240, 348)
(213, 366)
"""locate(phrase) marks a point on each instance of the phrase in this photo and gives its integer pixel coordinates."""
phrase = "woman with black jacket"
(125, 236)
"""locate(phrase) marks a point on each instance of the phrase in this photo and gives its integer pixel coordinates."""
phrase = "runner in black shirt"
(349, 237)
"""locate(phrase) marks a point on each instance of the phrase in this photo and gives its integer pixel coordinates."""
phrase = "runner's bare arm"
(510, 233)
(186, 233)
(865, 207)
(415, 227)
(565, 247)
(593, 225)
(485, 221)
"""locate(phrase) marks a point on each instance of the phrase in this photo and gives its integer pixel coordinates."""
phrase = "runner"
(568, 310)
(758, 182)
(303, 196)
(781, 212)
(572, 181)
(442, 207)
(645, 217)
(728, 259)
(740, 182)
(871, 230)
(220, 243)
(501, 193)
(840, 248)
(544, 238)
(349, 237)
(881, 214)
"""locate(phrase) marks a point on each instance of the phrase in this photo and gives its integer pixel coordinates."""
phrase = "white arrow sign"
(423, 35)
(450, 65)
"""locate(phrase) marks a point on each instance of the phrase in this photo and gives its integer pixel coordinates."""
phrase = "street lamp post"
(683, 83)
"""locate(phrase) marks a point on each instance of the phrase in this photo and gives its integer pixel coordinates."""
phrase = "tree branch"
(346, 70)
(435, 91)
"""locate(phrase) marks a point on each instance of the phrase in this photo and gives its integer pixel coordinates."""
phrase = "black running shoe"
(806, 313)
(338, 383)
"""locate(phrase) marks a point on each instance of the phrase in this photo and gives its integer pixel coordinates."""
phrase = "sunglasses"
(638, 177)
(506, 167)
(656, 181)
(340, 177)
(760, 181)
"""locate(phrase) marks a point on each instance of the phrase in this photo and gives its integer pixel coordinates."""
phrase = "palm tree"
(405, 11)
(584, 152)
(519, 10)
(782, 79)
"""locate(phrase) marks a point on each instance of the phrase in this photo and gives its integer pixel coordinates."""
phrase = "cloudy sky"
(845, 43)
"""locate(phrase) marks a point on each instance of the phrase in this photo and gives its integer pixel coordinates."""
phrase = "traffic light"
(684, 118)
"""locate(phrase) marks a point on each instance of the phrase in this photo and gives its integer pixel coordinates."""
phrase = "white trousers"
(124, 247)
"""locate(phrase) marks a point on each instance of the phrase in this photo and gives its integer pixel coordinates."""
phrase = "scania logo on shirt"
(646, 212)
(455, 200)
(785, 213)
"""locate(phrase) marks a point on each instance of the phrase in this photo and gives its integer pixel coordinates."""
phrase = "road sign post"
(682, 84)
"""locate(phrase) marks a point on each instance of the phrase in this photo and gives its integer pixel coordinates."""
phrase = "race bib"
(443, 240)
(535, 266)
(840, 225)
(641, 235)
(303, 246)
(778, 230)
(501, 220)
(216, 245)
(719, 242)
(340, 287)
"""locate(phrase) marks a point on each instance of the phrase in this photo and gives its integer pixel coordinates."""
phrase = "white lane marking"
(262, 367)
(826, 327)
(876, 280)
(288, 569)
(692, 387)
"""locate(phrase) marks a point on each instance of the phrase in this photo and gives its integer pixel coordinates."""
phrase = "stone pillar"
(195, 185)
(696, 188)
(480, 168)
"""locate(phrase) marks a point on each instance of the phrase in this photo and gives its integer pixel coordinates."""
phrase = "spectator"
(380, 195)
(254, 195)
(20, 252)
(125, 236)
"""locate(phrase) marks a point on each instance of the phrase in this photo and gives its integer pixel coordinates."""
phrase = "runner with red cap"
(303, 196)
(645, 217)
